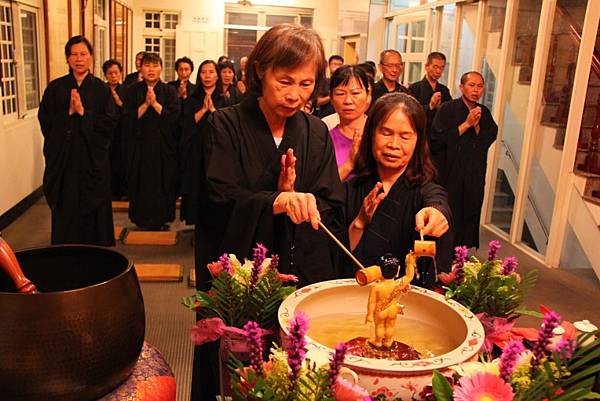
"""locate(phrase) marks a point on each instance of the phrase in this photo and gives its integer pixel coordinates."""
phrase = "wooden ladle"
(9, 263)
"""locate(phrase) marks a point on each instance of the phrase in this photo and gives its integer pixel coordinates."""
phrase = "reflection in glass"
(549, 132)
(414, 72)
(512, 123)
(401, 37)
(467, 41)
(30, 59)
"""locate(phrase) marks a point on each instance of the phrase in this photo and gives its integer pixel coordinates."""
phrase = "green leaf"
(590, 396)
(441, 388)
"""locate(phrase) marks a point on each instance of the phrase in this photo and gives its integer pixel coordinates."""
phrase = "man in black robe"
(118, 147)
(151, 112)
(323, 106)
(461, 134)
(390, 65)
(429, 91)
(135, 76)
(77, 174)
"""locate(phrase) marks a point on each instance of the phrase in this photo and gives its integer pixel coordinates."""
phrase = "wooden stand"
(150, 238)
(149, 272)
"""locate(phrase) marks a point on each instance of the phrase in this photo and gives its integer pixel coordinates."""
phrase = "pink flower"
(296, 349)
(497, 331)
(286, 277)
(347, 391)
(493, 248)
(483, 386)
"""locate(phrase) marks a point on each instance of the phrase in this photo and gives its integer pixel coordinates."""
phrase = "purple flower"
(225, 263)
(493, 248)
(509, 265)
(551, 321)
(255, 345)
(258, 257)
(335, 364)
(509, 358)
(567, 345)
(274, 262)
(296, 344)
(460, 258)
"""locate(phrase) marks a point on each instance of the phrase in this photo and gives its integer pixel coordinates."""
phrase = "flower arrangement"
(240, 292)
(549, 368)
(290, 374)
(492, 287)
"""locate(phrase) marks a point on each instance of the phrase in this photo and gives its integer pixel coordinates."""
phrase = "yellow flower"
(470, 368)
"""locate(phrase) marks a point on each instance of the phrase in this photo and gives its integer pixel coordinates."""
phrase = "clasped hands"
(473, 118)
(429, 220)
(300, 207)
(75, 104)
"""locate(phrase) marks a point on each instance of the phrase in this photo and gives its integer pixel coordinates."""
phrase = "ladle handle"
(9, 263)
(337, 241)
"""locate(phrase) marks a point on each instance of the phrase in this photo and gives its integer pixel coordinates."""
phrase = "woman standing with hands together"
(151, 111)
(77, 116)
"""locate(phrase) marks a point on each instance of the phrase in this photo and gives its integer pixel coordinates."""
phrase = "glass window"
(306, 20)
(100, 8)
(517, 88)
(401, 37)
(400, 4)
(152, 45)
(550, 130)
(171, 20)
(239, 42)
(446, 32)
(152, 20)
(242, 19)
(8, 79)
(414, 72)
(273, 20)
(168, 57)
(467, 41)
(495, 12)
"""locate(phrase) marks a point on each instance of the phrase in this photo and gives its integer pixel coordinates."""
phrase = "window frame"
(162, 33)
(34, 7)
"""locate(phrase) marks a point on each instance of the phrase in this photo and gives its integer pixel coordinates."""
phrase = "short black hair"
(345, 73)
(222, 58)
(109, 63)
(389, 266)
(184, 60)
(335, 57)
(75, 40)
(464, 77)
(223, 65)
(435, 55)
(368, 67)
(151, 58)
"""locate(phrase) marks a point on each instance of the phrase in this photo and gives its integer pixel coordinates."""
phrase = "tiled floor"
(575, 294)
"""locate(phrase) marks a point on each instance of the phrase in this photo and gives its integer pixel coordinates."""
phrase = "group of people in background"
(248, 153)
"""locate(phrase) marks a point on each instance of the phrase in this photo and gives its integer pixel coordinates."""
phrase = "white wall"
(200, 34)
(21, 160)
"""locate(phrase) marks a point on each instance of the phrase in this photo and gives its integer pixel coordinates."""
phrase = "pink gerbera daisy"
(483, 386)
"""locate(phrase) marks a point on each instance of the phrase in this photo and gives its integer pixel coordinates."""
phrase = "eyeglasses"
(390, 66)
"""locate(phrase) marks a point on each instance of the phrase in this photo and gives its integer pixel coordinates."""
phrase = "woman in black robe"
(76, 116)
(393, 197)
(229, 94)
(203, 101)
(270, 171)
(461, 134)
(151, 110)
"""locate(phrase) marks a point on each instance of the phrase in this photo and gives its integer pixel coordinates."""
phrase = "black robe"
(152, 156)
(392, 229)
(190, 154)
(233, 96)
(422, 91)
(462, 163)
(242, 168)
(131, 78)
(76, 149)
(179, 131)
(118, 152)
(379, 89)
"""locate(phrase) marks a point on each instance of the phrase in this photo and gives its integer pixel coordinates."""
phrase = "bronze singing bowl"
(80, 337)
